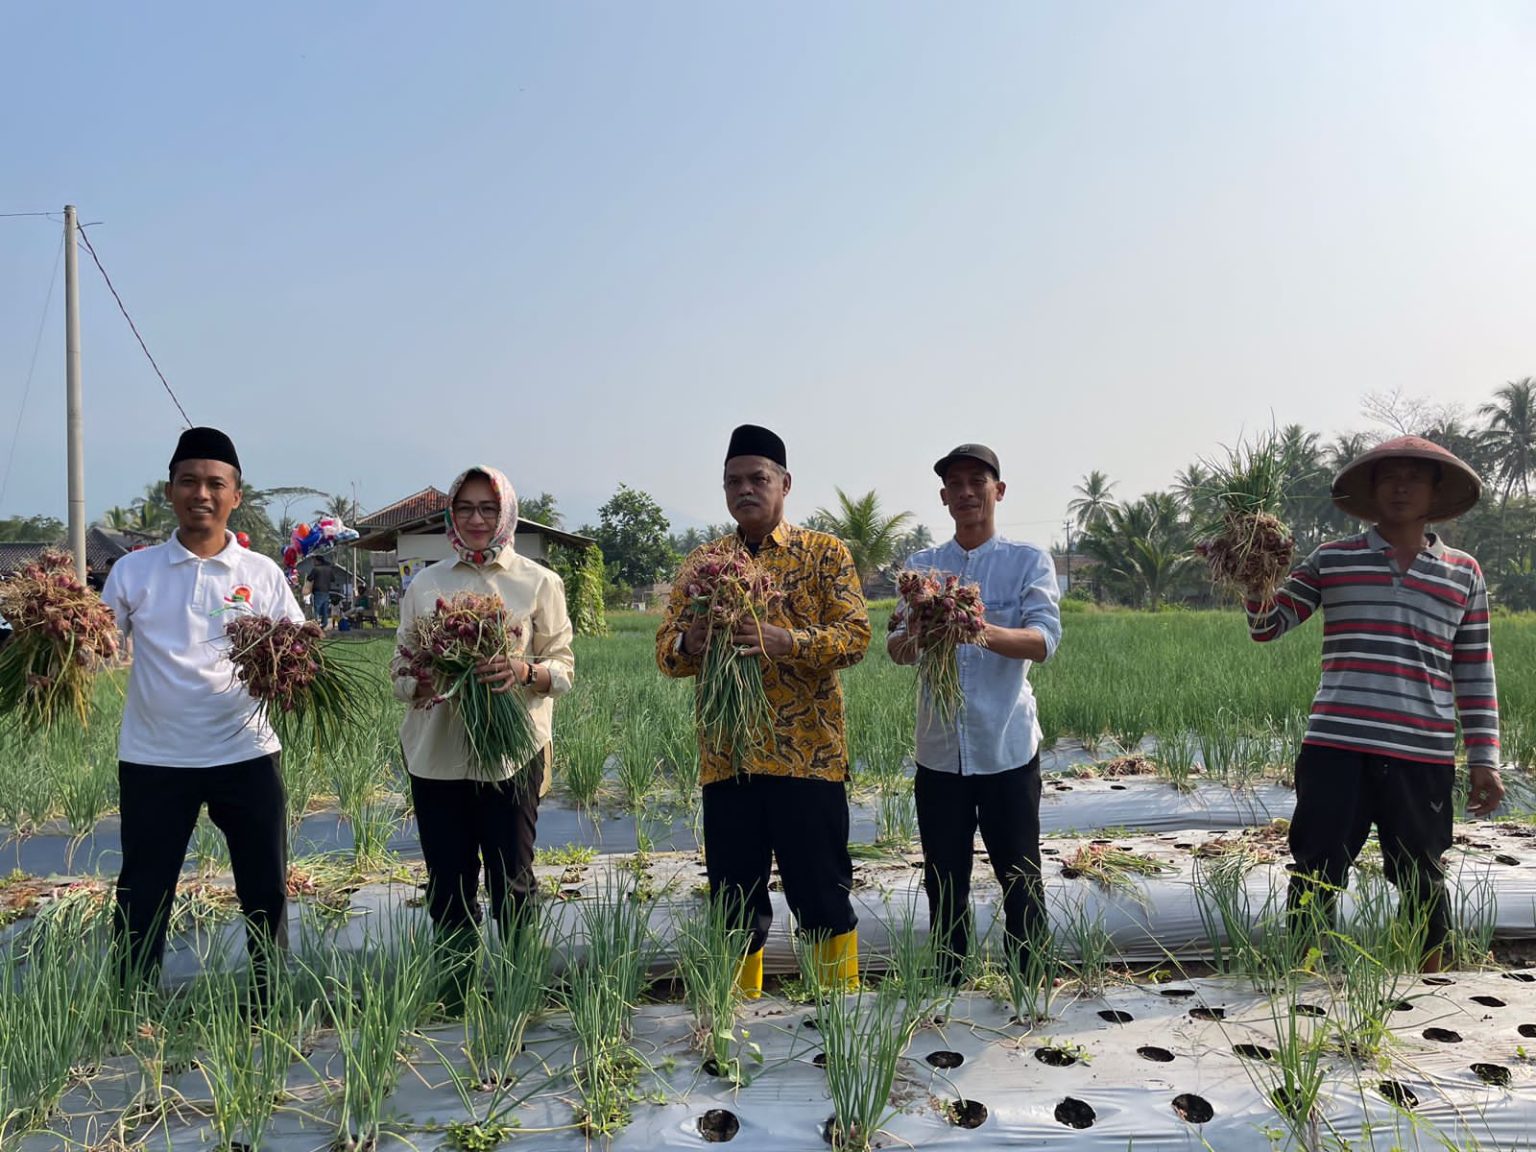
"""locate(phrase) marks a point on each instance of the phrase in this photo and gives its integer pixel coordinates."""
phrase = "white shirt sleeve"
(115, 596)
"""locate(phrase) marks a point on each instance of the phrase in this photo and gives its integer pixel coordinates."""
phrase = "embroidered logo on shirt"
(238, 600)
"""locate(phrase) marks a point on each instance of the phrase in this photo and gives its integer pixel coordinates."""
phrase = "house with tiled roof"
(102, 548)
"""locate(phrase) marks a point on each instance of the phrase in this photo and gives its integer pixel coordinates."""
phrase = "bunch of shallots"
(461, 634)
(62, 636)
(1248, 549)
(308, 689)
(728, 589)
(940, 614)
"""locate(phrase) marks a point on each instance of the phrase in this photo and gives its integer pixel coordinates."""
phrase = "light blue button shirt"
(998, 728)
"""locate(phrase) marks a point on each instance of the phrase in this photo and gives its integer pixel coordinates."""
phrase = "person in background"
(322, 577)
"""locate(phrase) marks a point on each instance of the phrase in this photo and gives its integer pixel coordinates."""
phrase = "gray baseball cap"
(978, 452)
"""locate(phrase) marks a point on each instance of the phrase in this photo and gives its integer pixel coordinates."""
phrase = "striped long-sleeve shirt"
(1403, 652)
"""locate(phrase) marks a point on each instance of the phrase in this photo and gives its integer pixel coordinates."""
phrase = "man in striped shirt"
(1405, 651)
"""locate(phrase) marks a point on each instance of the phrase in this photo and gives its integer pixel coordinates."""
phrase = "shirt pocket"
(1005, 613)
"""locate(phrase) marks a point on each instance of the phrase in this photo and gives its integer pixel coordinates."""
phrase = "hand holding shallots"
(729, 596)
(464, 651)
(940, 614)
(63, 634)
(1248, 549)
(309, 689)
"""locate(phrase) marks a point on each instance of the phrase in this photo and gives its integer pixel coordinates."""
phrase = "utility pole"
(1067, 524)
(75, 398)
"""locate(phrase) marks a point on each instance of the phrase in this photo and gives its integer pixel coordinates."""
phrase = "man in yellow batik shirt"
(789, 801)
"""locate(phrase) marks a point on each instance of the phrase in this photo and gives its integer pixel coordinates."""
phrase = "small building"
(414, 529)
(102, 549)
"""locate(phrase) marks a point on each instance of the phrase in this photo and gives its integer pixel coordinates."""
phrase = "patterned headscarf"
(506, 524)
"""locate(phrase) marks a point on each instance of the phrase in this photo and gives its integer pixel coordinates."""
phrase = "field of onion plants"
(1169, 1009)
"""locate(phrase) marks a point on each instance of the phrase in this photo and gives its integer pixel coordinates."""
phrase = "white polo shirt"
(184, 707)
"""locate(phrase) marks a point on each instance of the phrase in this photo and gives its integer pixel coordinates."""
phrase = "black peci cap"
(754, 440)
(205, 444)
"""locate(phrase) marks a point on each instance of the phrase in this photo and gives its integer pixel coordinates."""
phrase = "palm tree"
(1511, 434)
(152, 513)
(118, 519)
(342, 508)
(870, 536)
(1093, 499)
(1141, 549)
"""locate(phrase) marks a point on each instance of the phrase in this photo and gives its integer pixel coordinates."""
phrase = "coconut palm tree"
(870, 535)
(118, 519)
(1511, 435)
(1093, 499)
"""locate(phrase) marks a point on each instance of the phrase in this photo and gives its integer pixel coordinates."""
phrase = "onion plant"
(244, 1062)
(864, 1034)
(1032, 972)
(711, 946)
(581, 754)
(1090, 947)
(912, 960)
(498, 1008)
(375, 996)
(56, 1003)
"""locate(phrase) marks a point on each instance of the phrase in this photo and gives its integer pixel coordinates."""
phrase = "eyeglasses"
(490, 513)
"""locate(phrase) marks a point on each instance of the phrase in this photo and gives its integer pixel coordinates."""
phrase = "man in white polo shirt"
(191, 736)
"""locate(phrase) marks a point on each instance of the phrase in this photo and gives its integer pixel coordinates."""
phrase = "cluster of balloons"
(324, 532)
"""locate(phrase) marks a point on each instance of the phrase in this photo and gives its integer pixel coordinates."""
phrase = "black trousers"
(1339, 795)
(749, 821)
(1006, 808)
(159, 808)
(464, 823)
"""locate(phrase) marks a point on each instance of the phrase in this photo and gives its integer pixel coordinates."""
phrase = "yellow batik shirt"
(823, 609)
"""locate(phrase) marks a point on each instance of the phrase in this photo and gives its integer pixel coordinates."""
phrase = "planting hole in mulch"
(1495, 1074)
(1523, 977)
(1399, 1094)
(1070, 873)
(945, 1059)
(1282, 1099)
(1176, 993)
(1443, 1035)
(1310, 1010)
(1488, 1001)
(820, 1059)
(1056, 1058)
(1528, 1031)
(1155, 1054)
(1398, 1005)
(1117, 787)
(1509, 860)
(718, 1125)
(1193, 1109)
(1207, 1013)
(1253, 1052)
(1438, 981)
(966, 1113)
(1075, 1113)
(810, 1022)
(1115, 1016)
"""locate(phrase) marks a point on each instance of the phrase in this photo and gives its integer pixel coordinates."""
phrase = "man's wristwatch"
(533, 672)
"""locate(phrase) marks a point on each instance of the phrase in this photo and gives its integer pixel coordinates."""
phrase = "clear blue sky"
(582, 241)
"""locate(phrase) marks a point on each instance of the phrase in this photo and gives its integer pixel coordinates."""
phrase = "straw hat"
(1456, 491)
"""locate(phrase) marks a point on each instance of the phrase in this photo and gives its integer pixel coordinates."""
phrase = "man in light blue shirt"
(982, 767)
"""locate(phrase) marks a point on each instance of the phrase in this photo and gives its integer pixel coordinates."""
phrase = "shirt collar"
(503, 559)
(1435, 547)
(228, 556)
(779, 537)
(980, 550)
